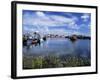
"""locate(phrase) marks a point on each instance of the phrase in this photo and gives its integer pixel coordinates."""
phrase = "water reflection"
(59, 47)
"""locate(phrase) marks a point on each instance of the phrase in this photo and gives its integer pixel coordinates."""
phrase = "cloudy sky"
(64, 23)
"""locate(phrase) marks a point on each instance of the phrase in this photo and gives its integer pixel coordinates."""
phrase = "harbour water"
(59, 47)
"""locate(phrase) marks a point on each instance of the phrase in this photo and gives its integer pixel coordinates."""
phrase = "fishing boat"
(35, 41)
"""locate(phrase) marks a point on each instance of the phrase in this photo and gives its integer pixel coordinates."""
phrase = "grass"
(53, 61)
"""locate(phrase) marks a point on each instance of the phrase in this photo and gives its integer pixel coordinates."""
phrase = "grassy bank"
(53, 61)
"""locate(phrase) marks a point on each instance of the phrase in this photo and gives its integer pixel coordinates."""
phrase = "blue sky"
(64, 23)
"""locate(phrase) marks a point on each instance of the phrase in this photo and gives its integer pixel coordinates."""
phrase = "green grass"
(53, 61)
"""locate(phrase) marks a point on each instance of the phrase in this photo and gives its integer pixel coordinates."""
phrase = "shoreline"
(53, 61)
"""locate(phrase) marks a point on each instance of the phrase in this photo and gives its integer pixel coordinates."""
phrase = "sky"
(61, 23)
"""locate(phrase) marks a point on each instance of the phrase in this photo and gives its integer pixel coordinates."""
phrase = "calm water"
(59, 47)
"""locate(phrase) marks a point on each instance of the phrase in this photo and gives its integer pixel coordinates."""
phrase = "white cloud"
(65, 20)
(60, 19)
(86, 26)
(75, 18)
(58, 31)
(85, 17)
(42, 21)
(41, 14)
(65, 32)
